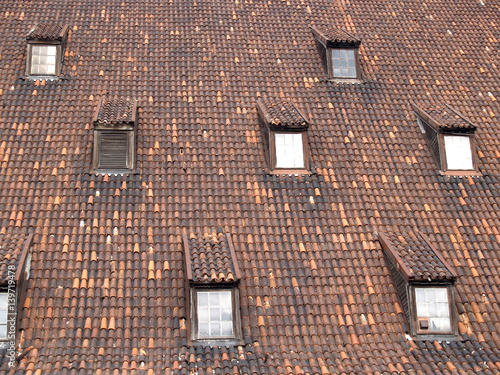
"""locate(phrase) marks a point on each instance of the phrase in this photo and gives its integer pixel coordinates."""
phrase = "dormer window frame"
(270, 130)
(273, 163)
(59, 43)
(127, 129)
(326, 46)
(435, 134)
(417, 329)
(196, 339)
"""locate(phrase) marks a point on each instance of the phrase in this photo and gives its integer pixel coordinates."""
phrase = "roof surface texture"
(107, 293)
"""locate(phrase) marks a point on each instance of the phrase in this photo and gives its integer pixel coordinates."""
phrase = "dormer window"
(450, 137)
(424, 282)
(289, 150)
(284, 131)
(339, 51)
(458, 152)
(16, 248)
(46, 44)
(432, 310)
(114, 136)
(213, 277)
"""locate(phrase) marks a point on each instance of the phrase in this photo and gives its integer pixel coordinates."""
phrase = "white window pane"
(214, 314)
(226, 329)
(225, 299)
(203, 314)
(289, 150)
(214, 298)
(344, 63)
(458, 152)
(3, 301)
(203, 329)
(215, 329)
(3, 331)
(226, 314)
(43, 59)
(215, 318)
(432, 303)
(202, 299)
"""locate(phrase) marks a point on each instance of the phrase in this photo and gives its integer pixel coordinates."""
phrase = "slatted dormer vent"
(424, 282)
(114, 136)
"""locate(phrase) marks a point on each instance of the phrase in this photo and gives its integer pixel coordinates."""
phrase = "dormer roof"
(48, 31)
(210, 258)
(335, 37)
(279, 114)
(12, 247)
(444, 118)
(116, 112)
(415, 258)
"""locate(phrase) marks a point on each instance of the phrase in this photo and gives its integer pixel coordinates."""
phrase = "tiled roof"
(334, 36)
(444, 117)
(415, 256)
(278, 113)
(210, 258)
(107, 293)
(11, 246)
(48, 31)
(116, 111)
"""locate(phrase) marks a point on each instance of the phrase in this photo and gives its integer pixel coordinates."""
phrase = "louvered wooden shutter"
(114, 150)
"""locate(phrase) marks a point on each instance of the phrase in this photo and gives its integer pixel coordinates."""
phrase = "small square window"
(43, 60)
(289, 150)
(433, 310)
(344, 63)
(215, 314)
(3, 315)
(458, 152)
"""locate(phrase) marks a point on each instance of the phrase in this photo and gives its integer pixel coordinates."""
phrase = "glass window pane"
(43, 59)
(344, 63)
(289, 150)
(215, 319)
(202, 299)
(214, 298)
(215, 329)
(458, 152)
(432, 303)
(226, 329)
(226, 314)
(203, 329)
